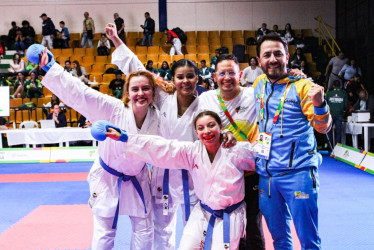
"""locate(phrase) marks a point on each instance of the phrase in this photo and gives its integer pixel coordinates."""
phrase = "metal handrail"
(322, 35)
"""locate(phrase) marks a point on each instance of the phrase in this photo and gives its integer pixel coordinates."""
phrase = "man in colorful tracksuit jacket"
(289, 180)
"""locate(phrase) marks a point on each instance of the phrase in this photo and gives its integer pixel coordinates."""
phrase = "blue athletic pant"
(292, 195)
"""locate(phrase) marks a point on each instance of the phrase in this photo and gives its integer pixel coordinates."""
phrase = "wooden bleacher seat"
(215, 41)
(101, 59)
(162, 58)
(98, 68)
(109, 65)
(237, 33)
(191, 57)
(251, 50)
(56, 52)
(90, 52)
(213, 33)
(243, 66)
(191, 35)
(131, 42)
(46, 92)
(141, 50)
(153, 50)
(96, 78)
(76, 58)
(79, 52)
(142, 58)
(153, 57)
(212, 48)
(191, 49)
(67, 52)
(75, 36)
(202, 41)
(238, 40)
(107, 78)
(88, 60)
(249, 33)
(15, 102)
(132, 34)
(177, 57)
(226, 40)
(62, 59)
(202, 34)
(203, 49)
(104, 88)
(226, 33)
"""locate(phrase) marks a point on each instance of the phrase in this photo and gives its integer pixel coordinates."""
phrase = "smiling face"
(227, 76)
(140, 92)
(208, 130)
(185, 81)
(273, 59)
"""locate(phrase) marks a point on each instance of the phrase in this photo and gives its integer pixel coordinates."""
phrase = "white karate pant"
(141, 238)
(193, 234)
(176, 48)
(47, 39)
(165, 225)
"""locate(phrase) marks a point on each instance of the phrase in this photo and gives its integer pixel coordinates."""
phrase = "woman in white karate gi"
(111, 173)
(171, 186)
(217, 173)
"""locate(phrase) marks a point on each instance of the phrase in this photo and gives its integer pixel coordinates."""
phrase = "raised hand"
(316, 94)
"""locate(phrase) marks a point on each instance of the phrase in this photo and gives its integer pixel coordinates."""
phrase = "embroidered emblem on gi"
(94, 195)
(159, 189)
(226, 246)
(204, 233)
(237, 109)
(301, 195)
(257, 97)
(165, 197)
(346, 153)
(196, 166)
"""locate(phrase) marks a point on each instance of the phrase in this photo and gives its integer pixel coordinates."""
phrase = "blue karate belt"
(222, 214)
(186, 190)
(123, 177)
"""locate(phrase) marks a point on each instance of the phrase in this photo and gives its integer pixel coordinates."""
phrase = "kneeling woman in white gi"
(118, 186)
(218, 221)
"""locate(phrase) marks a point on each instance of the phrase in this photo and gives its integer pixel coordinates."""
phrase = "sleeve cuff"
(323, 110)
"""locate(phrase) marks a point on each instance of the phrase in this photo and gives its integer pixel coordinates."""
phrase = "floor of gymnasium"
(44, 206)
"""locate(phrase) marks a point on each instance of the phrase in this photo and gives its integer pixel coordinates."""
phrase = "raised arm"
(72, 91)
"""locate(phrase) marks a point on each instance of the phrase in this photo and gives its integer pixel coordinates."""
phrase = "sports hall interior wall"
(189, 15)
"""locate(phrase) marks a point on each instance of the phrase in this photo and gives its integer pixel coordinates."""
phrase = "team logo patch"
(196, 166)
(301, 195)
(346, 153)
(159, 189)
(94, 195)
(165, 197)
(257, 97)
(237, 109)
(204, 233)
(291, 101)
(226, 246)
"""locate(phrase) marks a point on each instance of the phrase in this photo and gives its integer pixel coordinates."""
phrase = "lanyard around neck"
(280, 105)
(233, 123)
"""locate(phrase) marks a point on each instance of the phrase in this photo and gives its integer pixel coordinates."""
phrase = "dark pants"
(254, 234)
(337, 121)
(102, 51)
(122, 37)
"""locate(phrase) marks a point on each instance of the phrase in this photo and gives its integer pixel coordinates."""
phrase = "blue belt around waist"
(186, 191)
(123, 177)
(222, 214)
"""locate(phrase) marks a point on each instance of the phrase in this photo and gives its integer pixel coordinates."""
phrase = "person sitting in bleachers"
(103, 46)
(213, 60)
(164, 71)
(288, 34)
(150, 68)
(299, 41)
(262, 31)
(276, 30)
(31, 67)
(80, 72)
(206, 73)
(19, 86)
(28, 32)
(9, 43)
(349, 71)
(116, 85)
(297, 59)
(16, 65)
(365, 102)
(33, 87)
(68, 67)
(57, 116)
(250, 73)
(19, 42)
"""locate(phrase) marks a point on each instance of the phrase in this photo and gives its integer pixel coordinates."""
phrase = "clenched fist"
(111, 31)
(316, 94)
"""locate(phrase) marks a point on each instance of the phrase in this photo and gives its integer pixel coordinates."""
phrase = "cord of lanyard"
(279, 108)
(233, 123)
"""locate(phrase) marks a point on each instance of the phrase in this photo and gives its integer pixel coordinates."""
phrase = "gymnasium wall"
(189, 15)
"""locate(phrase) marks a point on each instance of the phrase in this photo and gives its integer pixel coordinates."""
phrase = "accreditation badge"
(165, 204)
(262, 148)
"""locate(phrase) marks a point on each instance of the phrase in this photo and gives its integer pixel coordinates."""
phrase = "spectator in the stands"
(34, 88)
(205, 72)
(173, 39)
(19, 42)
(338, 102)
(68, 67)
(28, 32)
(80, 72)
(164, 71)
(200, 88)
(31, 67)
(16, 65)
(299, 41)
(365, 102)
(88, 30)
(19, 86)
(262, 31)
(116, 85)
(288, 34)
(65, 35)
(48, 31)
(354, 85)
(349, 71)
(1, 50)
(250, 73)
(103, 46)
(120, 25)
(276, 30)
(336, 64)
(4, 125)
(149, 29)
(213, 60)
(54, 100)
(58, 116)
(297, 59)
(12, 35)
(150, 67)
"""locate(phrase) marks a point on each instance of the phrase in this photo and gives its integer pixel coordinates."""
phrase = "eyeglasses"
(223, 73)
